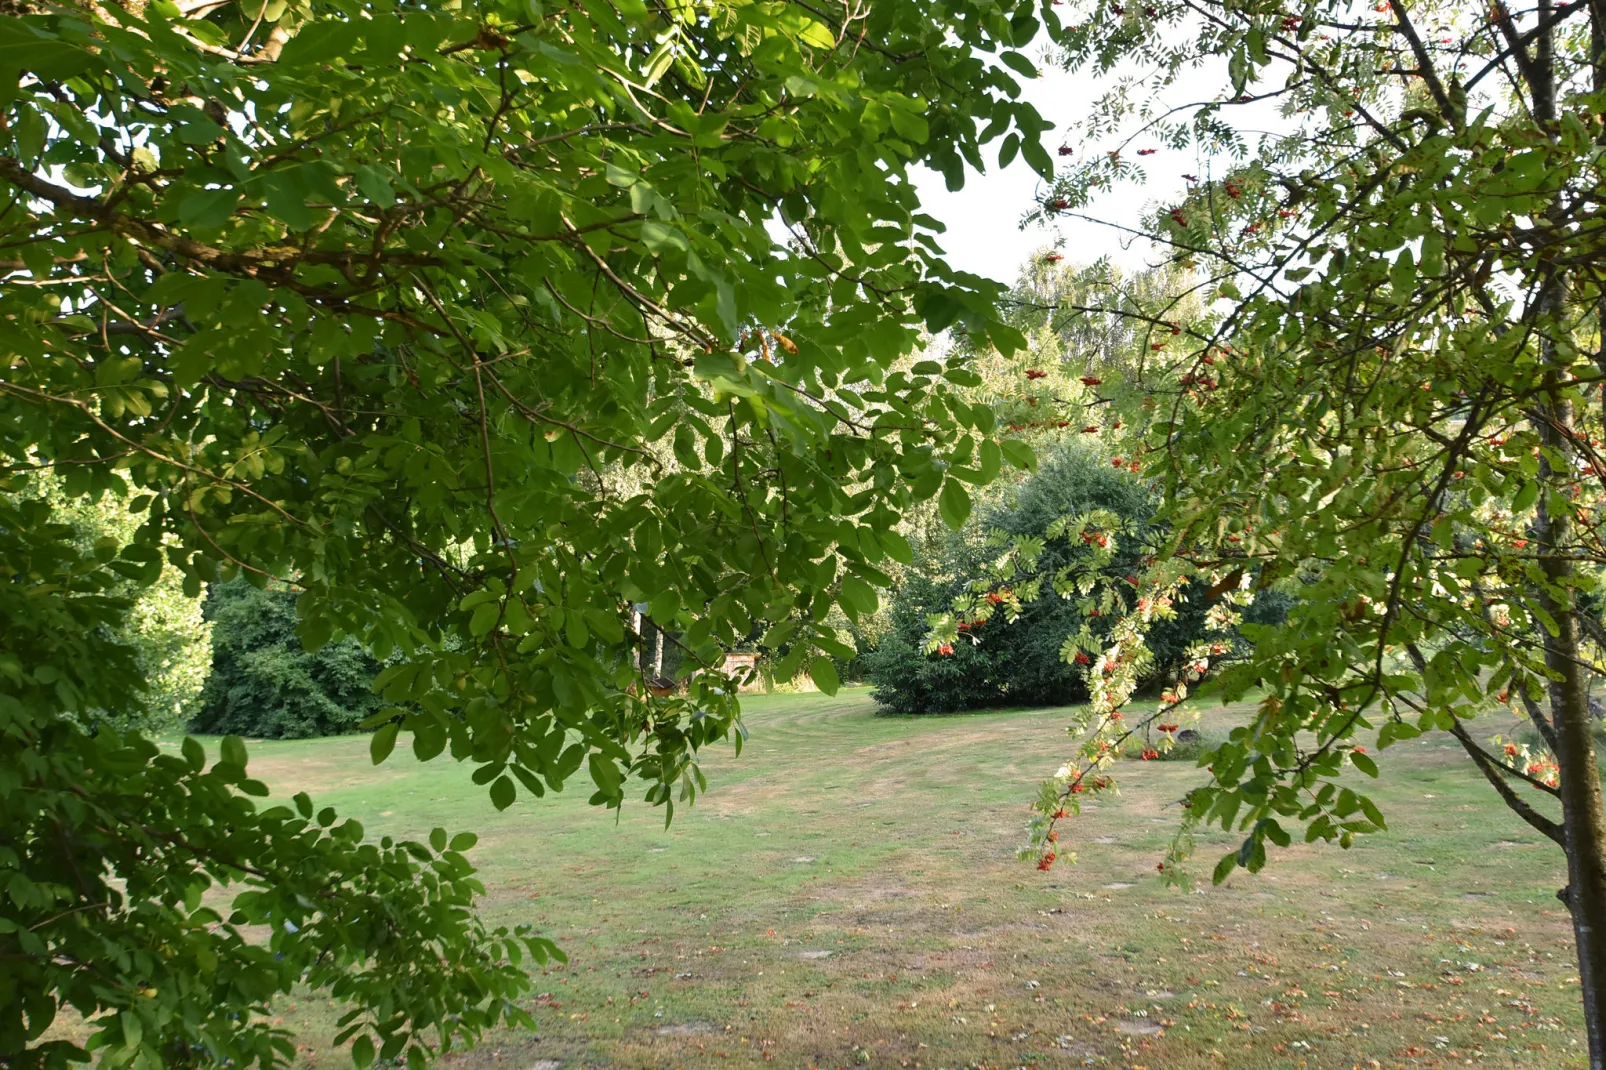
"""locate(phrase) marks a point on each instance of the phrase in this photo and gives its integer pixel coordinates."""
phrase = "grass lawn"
(848, 895)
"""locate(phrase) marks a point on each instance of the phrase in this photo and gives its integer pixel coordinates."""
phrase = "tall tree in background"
(1400, 404)
(392, 302)
(265, 683)
(164, 626)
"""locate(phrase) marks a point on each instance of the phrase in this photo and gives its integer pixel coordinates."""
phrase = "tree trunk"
(1582, 813)
(1585, 821)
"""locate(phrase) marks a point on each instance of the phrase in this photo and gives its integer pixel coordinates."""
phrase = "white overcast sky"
(984, 235)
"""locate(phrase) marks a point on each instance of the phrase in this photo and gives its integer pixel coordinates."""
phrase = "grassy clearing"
(848, 895)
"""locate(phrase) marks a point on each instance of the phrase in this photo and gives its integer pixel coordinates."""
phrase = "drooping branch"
(1492, 772)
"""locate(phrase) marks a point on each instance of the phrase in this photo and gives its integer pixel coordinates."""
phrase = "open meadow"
(847, 894)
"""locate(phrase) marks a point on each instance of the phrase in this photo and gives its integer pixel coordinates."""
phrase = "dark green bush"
(264, 683)
(1019, 663)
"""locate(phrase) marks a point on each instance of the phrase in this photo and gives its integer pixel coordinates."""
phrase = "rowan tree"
(1396, 406)
(480, 324)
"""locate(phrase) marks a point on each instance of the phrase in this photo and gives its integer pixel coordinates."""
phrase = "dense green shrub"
(1019, 663)
(264, 683)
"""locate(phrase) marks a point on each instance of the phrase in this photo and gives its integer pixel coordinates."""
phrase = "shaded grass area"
(848, 895)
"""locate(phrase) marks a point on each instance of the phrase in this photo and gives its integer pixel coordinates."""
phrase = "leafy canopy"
(1396, 404)
(480, 324)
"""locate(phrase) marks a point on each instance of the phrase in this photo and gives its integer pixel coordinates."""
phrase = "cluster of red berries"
(1052, 258)
(1090, 380)
(1178, 218)
(1066, 150)
(1545, 771)
(994, 597)
(1017, 426)
(1099, 539)
(1046, 861)
(1059, 204)
(1233, 189)
(1149, 754)
(1081, 658)
(1206, 381)
(1291, 23)
(966, 625)
(1036, 373)
(946, 649)
(1078, 785)
(1147, 152)
(1167, 728)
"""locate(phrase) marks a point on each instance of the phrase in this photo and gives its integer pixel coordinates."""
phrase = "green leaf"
(1432, 254)
(1019, 453)
(503, 792)
(285, 200)
(896, 546)
(1018, 63)
(383, 742)
(604, 774)
(954, 504)
(375, 185)
(1402, 277)
(463, 841)
(859, 595)
(823, 672)
(817, 35)
(320, 41)
(658, 63)
(133, 1028)
(1040, 161)
(1363, 762)
(232, 751)
(1007, 151)
(208, 208)
(484, 619)
(27, 46)
(194, 753)
(1224, 868)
